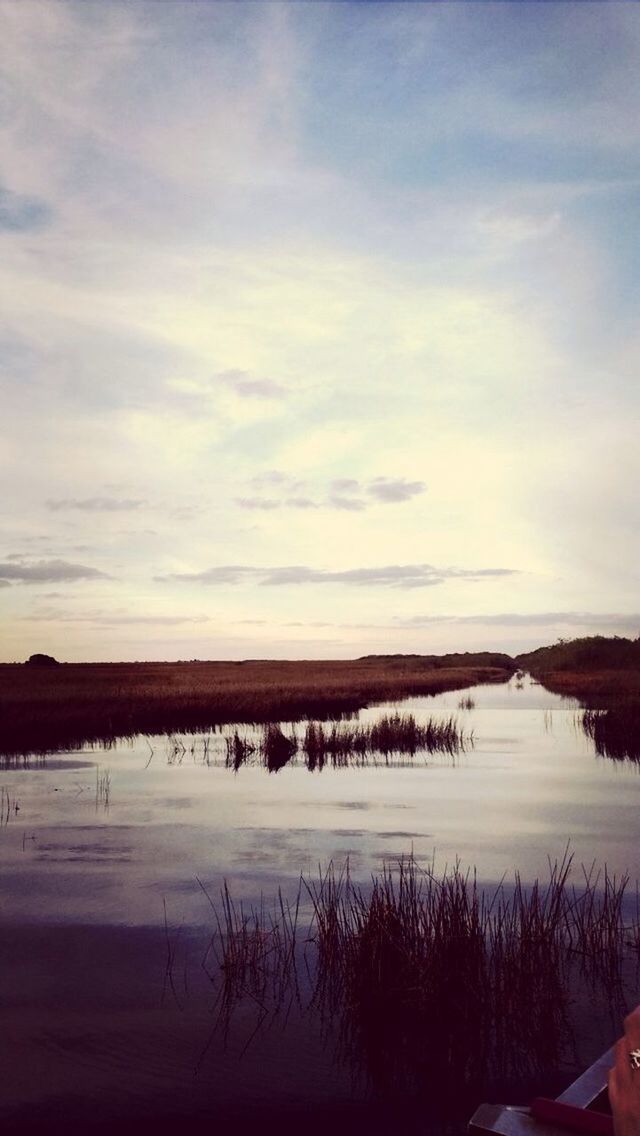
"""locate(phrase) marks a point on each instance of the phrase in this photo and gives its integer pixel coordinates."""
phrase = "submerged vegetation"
(344, 743)
(431, 981)
(42, 709)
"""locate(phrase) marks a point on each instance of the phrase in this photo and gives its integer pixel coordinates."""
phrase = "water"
(107, 860)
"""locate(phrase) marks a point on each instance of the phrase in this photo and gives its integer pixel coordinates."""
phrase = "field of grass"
(594, 688)
(44, 708)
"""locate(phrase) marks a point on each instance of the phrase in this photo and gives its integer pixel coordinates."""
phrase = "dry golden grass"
(594, 688)
(45, 708)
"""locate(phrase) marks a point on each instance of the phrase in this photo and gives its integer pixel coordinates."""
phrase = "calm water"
(91, 1031)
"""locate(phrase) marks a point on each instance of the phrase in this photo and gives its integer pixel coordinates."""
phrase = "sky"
(318, 327)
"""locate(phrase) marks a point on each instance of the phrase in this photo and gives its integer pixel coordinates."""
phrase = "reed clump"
(392, 733)
(254, 950)
(341, 744)
(429, 977)
(466, 703)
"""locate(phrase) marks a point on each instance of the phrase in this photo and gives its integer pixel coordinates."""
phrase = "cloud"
(113, 619)
(272, 477)
(390, 576)
(341, 492)
(310, 623)
(344, 485)
(160, 620)
(391, 489)
(242, 383)
(350, 504)
(47, 571)
(300, 503)
(225, 574)
(531, 619)
(263, 503)
(20, 213)
(95, 504)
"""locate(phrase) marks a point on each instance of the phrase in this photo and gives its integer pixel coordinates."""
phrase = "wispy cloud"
(95, 504)
(47, 572)
(391, 489)
(530, 619)
(224, 574)
(344, 485)
(247, 386)
(113, 619)
(261, 503)
(301, 503)
(348, 504)
(389, 576)
(345, 494)
(273, 477)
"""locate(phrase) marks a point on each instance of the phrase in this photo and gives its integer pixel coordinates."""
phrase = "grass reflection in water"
(615, 732)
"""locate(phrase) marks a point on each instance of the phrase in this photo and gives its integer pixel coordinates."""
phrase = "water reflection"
(428, 987)
(615, 732)
(341, 746)
(84, 949)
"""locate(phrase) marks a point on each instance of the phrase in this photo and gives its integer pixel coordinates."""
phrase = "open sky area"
(319, 327)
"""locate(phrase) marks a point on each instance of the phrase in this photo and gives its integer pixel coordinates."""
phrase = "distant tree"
(42, 661)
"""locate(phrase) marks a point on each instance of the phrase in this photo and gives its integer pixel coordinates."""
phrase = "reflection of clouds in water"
(41, 761)
(404, 835)
(90, 853)
(362, 805)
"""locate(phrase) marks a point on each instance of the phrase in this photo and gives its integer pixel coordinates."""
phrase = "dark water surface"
(101, 854)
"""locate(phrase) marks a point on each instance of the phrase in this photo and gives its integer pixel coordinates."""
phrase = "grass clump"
(428, 979)
(341, 744)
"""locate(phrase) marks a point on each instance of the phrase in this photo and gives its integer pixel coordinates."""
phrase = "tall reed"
(343, 743)
(430, 978)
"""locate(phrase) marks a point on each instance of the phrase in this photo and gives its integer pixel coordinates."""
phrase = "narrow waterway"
(108, 857)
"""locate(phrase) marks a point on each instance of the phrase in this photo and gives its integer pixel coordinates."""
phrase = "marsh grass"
(343, 744)
(429, 979)
(466, 704)
(254, 950)
(9, 806)
(44, 709)
(103, 787)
